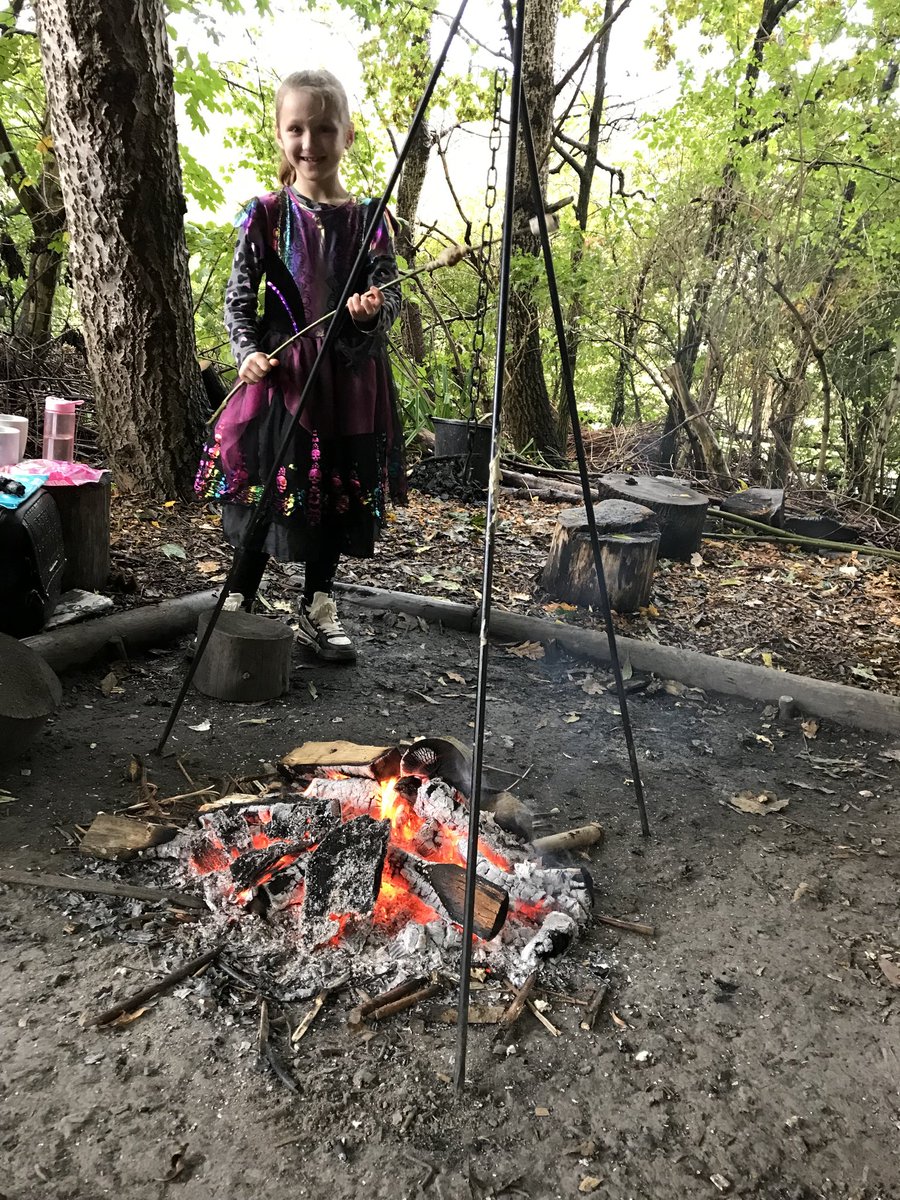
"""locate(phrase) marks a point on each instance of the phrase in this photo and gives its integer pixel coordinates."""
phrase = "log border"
(74, 645)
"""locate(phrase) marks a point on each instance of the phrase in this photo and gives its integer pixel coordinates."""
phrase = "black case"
(32, 561)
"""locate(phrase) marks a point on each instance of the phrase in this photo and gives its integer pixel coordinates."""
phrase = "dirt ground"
(751, 1049)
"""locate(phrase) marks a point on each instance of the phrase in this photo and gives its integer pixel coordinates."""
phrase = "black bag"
(32, 561)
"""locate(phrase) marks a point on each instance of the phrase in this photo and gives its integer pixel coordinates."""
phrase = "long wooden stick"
(396, 993)
(389, 1010)
(769, 534)
(570, 839)
(97, 887)
(147, 993)
(628, 926)
(448, 257)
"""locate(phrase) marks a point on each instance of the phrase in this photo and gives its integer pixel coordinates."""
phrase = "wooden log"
(84, 515)
(680, 510)
(140, 627)
(343, 875)
(122, 838)
(97, 887)
(571, 839)
(448, 882)
(343, 758)
(30, 693)
(850, 706)
(629, 540)
(248, 658)
(761, 504)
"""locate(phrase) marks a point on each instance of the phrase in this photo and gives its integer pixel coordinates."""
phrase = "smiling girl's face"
(314, 139)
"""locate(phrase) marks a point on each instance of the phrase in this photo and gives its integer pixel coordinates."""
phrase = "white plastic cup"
(21, 423)
(9, 445)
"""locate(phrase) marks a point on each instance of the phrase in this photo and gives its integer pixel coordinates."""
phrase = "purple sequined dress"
(345, 458)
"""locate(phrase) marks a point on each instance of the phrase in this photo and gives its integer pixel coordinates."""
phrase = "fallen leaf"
(696, 559)
(810, 728)
(767, 658)
(203, 727)
(208, 566)
(169, 503)
(590, 1183)
(176, 1165)
(172, 550)
(592, 686)
(126, 1018)
(890, 970)
(542, 1112)
(758, 803)
(533, 650)
(571, 718)
(109, 684)
(454, 676)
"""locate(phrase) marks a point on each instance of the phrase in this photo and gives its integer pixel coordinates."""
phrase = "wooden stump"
(759, 504)
(84, 515)
(248, 658)
(629, 538)
(30, 694)
(680, 510)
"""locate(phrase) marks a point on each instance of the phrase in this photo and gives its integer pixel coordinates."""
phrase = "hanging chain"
(487, 242)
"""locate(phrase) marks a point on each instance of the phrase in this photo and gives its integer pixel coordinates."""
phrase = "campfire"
(360, 864)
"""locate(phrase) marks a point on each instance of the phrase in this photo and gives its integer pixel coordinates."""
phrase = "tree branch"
(589, 48)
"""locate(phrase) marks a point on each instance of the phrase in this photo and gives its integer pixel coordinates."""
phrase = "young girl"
(346, 453)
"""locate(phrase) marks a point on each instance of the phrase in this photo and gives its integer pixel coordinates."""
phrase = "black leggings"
(319, 575)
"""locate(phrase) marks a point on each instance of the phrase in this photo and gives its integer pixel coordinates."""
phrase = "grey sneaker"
(321, 630)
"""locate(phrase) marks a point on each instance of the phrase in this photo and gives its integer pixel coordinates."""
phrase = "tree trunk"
(882, 433)
(528, 411)
(48, 221)
(109, 85)
(724, 206)
(409, 190)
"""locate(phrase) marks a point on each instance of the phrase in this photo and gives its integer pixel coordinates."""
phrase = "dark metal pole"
(327, 342)
(462, 1020)
(569, 387)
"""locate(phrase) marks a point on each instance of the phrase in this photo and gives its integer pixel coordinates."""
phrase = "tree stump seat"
(629, 540)
(248, 658)
(765, 505)
(31, 693)
(680, 510)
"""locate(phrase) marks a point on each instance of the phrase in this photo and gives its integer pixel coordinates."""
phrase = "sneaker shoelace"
(323, 614)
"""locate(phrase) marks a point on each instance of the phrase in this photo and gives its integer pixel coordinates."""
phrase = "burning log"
(343, 875)
(447, 883)
(552, 939)
(334, 759)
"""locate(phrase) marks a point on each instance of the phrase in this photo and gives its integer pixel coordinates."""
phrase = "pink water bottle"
(59, 429)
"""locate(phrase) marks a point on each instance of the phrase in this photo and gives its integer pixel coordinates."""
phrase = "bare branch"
(589, 48)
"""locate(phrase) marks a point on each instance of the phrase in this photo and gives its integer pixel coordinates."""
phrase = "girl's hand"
(255, 367)
(366, 307)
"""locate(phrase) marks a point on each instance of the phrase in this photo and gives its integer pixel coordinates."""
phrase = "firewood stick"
(389, 1010)
(147, 993)
(519, 1000)
(396, 993)
(545, 1021)
(570, 839)
(97, 887)
(629, 926)
(317, 1007)
(448, 257)
(594, 1005)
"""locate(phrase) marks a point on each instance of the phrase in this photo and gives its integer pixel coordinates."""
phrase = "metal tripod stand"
(519, 125)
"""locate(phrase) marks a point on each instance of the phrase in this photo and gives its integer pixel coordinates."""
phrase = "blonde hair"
(330, 91)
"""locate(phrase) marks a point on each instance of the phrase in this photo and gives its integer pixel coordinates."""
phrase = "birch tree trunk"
(109, 86)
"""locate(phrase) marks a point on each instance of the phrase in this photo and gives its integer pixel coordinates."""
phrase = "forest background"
(728, 265)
